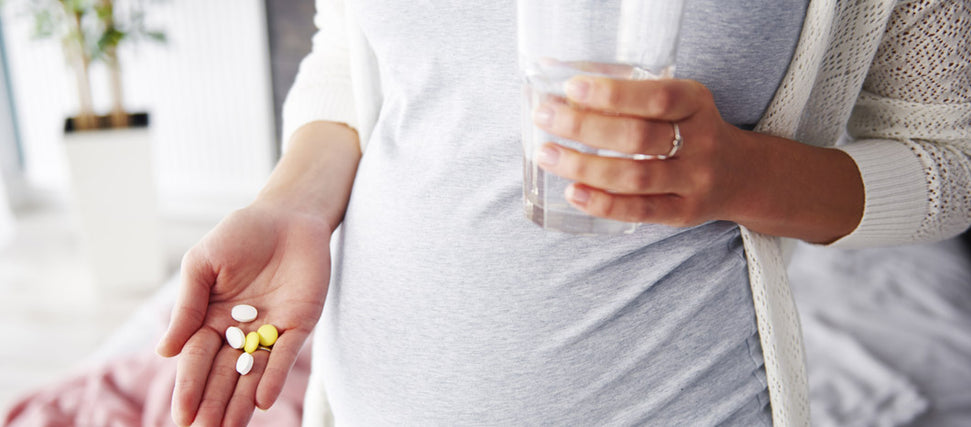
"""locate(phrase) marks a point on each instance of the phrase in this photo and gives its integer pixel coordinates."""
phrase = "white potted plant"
(91, 31)
(109, 155)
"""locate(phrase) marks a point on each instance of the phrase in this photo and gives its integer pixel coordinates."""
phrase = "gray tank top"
(448, 307)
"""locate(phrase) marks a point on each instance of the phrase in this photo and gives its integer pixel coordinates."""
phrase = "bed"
(887, 334)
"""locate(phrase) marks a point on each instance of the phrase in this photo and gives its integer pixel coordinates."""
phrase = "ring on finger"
(676, 143)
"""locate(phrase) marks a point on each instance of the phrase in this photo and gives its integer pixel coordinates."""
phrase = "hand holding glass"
(621, 39)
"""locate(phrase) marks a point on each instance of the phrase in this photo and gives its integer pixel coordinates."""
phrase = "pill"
(244, 363)
(244, 313)
(252, 342)
(235, 337)
(268, 335)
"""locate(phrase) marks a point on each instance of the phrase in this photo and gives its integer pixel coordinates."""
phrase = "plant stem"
(86, 117)
(81, 64)
(119, 117)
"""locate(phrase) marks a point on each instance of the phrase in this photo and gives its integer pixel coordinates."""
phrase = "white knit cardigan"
(892, 75)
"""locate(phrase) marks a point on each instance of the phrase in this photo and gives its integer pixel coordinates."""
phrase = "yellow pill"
(268, 335)
(252, 342)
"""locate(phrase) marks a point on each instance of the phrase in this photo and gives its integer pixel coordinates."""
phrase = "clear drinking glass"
(622, 39)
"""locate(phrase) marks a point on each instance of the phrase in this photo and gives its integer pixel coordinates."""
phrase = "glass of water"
(621, 39)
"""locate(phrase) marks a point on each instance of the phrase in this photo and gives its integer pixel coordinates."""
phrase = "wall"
(9, 155)
(291, 27)
(207, 89)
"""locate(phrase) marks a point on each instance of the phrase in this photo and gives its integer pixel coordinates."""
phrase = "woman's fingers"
(670, 100)
(208, 390)
(668, 209)
(241, 405)
(190, 308)
(623, 134)
(192, 374)
(636, 117)
(280, 362)
(220, 387)
(618, 175)
(655, 191)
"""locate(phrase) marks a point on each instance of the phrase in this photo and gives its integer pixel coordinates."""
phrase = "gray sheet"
(888, 334)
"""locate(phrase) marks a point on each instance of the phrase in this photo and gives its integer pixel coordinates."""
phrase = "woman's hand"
(635, 117)
(721, 172)
(272, 259)
(273, 255)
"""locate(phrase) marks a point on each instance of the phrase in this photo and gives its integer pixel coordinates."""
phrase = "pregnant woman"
(443, 305)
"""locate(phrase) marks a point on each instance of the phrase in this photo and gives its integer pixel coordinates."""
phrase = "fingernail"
(543, 116)
(548, 156)
(579, 196)
(577, 88)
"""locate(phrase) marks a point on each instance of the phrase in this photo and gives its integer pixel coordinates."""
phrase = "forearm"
(314, 176)
(797, 190)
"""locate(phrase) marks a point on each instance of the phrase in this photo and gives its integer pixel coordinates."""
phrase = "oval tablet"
(268, 335)
(252, 342)
(244, 363)
(235, 337)
(244, 313)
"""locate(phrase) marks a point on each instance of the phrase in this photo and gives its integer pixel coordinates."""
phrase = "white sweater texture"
(890, 77)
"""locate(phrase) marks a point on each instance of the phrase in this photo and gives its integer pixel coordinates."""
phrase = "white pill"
(244, 313)
(244, 363)
(235, 337)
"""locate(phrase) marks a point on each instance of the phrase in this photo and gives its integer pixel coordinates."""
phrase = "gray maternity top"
(448, 307)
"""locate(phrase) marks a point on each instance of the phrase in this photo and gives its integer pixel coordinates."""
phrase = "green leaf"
(157, 36)
(75, 6)
(43, 24)
(110, 39)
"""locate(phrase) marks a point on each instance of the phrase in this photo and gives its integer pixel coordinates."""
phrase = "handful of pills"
(262, 338)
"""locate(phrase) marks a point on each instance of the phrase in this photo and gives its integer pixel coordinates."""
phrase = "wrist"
(314, 176)
(797, 190)
(294, 194)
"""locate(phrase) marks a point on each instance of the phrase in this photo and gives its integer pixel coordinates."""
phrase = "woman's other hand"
(770, 184)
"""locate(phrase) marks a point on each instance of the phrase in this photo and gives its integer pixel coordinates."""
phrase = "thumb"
(197, 278)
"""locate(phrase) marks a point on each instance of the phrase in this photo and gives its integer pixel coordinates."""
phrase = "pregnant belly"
(436, 322)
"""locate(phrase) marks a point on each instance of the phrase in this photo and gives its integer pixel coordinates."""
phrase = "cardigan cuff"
(896, 193)
(332, 103)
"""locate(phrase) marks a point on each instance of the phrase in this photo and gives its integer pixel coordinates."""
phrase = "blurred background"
(212, 90)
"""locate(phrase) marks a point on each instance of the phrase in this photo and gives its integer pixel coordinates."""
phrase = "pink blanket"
(136, 390)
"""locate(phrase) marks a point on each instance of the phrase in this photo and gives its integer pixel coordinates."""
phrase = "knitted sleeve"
(917, 95)
(322, 88)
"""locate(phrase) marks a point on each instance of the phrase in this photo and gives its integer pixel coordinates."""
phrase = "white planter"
(114, 196)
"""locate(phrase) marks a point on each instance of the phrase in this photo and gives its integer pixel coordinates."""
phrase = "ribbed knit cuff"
(305, 104)
(896, 193)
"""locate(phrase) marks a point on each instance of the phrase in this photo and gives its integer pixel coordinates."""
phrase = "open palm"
(276, 261)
